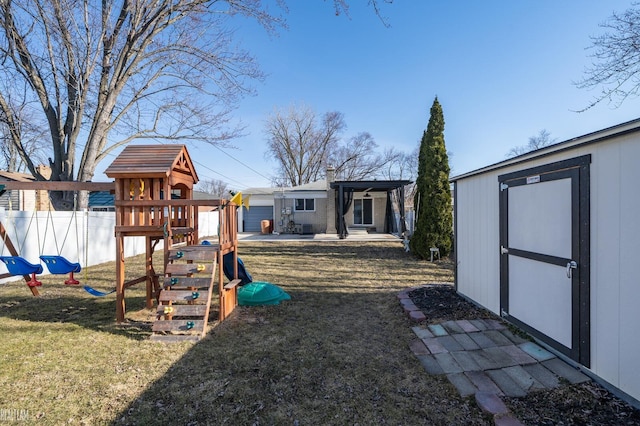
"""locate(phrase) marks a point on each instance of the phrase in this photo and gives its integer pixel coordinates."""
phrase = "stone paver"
(499, 338)
(466, 342)
(520, 356)
(450, 343)
(483, 382)
(452, 327)
(562, 369)
(466, 326)
(462, 383)
(506, 383)
(501, 358)
(514, 338)
(466, 361)
(448, 363)
(479, 324)
(484, 360)
(422, 332)
(430, 364)
(418, 347)
(417, 316)
(522, 377)
(543, 375)
(506, 420)
(438, 330)
(482, 340)
(490, 403)
(536, 351)
(434, 346)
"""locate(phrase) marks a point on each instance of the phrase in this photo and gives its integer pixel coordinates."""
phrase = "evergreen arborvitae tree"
(432, 202)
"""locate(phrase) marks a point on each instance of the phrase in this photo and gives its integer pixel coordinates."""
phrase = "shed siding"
(478, 241)
(615, 245)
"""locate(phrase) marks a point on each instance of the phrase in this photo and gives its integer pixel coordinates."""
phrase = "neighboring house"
(314, 208)
(26, 200)
(102, 201)
(549, 240)
(261, 207)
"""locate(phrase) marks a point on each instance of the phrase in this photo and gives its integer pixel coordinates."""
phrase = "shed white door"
(544, 270)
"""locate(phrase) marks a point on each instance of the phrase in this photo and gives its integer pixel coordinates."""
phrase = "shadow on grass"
(70, 305)
(336, 353)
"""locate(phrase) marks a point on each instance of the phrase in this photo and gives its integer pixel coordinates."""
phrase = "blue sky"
(503, 70)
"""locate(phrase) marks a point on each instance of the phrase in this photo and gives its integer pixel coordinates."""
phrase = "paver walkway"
(482, 357)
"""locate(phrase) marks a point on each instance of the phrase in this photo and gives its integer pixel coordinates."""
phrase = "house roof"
(101, 198)
(16, 177)
(318, 185)
(260, 191)
(140, 161)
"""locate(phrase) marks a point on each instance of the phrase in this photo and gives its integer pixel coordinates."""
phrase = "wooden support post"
(149, 272)
(120, 309)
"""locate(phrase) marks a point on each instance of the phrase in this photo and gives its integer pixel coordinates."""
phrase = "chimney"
(331, 176)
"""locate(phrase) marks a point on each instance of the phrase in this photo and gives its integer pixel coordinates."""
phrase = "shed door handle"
(570, 266)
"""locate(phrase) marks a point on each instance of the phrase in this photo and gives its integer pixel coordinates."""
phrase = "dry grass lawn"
(337, 353)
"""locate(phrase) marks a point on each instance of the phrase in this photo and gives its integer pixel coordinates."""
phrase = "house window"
(305, 204)
(363, 211)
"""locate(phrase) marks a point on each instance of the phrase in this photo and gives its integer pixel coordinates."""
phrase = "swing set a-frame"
(56, 264)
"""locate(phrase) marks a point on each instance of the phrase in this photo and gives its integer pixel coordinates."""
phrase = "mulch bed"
(581, 404)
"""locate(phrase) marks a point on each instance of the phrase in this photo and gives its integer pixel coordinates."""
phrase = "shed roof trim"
(608, 133)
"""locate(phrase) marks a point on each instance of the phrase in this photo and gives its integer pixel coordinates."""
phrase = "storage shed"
(550, 239)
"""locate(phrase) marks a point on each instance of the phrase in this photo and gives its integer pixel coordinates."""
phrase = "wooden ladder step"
(232, 284)
(189, 268)
(174, 338)
(206, 253)
(186, 282)
(179, 325)
(182, 296)
(181, 230)
(184, 310)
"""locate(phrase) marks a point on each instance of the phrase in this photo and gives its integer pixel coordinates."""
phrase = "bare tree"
(300, 142)
(103, 74)
(542, 139)
(116, 71)
(23, 127)
(214, 187)
(357, 159)
(616, 59)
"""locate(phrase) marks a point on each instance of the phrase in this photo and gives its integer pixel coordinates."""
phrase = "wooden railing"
(160, 217)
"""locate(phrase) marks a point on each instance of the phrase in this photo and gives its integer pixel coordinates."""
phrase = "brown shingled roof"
(152, 161)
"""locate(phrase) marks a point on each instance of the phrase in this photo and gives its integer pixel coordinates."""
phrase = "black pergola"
(344, 197)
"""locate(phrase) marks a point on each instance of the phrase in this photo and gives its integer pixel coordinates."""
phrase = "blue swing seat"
(59, 264)
(17, 265)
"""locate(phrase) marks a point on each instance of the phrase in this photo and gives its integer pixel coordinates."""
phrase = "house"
(549, 240)
(24, 199)
(328, 206)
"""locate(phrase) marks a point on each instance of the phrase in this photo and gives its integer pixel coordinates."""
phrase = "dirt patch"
(581, 404)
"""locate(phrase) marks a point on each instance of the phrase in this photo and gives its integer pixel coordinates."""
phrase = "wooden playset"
(153, 187)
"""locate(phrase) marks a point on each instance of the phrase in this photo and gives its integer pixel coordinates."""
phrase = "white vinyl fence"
(86, 237)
